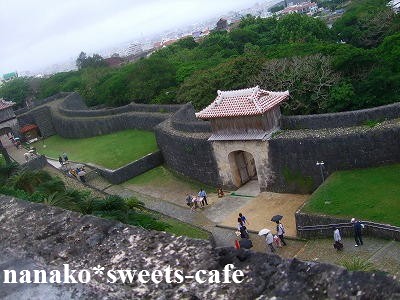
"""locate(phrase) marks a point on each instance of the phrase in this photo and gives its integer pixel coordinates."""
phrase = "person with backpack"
(243, 219)
(280, 231)
(357, 232)
(243, 232)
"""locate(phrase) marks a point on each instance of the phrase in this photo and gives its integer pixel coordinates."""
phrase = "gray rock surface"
(35, 235)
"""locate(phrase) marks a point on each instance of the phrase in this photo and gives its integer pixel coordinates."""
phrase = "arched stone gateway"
(241, 161)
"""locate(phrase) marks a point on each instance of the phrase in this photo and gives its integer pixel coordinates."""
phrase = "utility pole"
(321, 166)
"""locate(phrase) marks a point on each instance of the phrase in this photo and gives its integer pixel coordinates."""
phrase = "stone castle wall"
(70, 117)
(314, 225)
(187, 151)
(343, 119)
(291, 154)
(132, 169)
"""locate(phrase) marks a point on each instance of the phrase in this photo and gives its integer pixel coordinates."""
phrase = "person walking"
(280, 231)
(338, 245)
(81, 175)
(203, 195)
(65, 157)
(60, 160)
(189, 200)
(243, 219)
(269, 239)
(244, 234)
(357, 232)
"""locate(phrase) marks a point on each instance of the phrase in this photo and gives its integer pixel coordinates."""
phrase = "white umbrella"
(264, 231)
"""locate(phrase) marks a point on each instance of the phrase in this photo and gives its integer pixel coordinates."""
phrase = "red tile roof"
(245, 102)
(5, 104)
(28, 127)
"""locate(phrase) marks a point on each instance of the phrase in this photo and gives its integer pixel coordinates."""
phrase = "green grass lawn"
(162, 177)
(369, 194)
(179, 228)
(111, 151)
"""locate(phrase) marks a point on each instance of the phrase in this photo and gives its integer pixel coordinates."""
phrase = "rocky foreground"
(39, 237)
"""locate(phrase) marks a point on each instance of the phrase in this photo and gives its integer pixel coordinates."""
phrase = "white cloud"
(35, 34)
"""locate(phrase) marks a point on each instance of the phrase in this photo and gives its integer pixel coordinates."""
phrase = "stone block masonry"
(130, 170)
(45, 237)
(189, 154)
(293, 154)
(309, 226)
(288, 158)
(342, 119)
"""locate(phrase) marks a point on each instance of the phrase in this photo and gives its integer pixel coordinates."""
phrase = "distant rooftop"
(5, 104)
(9, 76)
(244, 102)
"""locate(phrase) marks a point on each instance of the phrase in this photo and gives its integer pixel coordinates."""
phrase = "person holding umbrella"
(269, 239)
(280, 229)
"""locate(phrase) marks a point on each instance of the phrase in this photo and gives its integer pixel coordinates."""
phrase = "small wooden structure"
(247, 114)
(30, 131)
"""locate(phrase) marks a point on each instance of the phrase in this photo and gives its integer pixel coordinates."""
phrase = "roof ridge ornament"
(219, 98)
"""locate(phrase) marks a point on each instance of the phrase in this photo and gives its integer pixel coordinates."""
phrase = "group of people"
(199, 201)
(357, 226)
(277, 239)
(244, 241)
(14, 140)
(78, 173)
(30, 154)
(63, 159)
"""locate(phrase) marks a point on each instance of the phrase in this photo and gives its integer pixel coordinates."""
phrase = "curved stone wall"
(343, 119)
(69, 117)
(188, 153)
(292, 154)
(185, 120)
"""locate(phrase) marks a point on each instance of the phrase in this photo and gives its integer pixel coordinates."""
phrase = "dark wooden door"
(241, 164)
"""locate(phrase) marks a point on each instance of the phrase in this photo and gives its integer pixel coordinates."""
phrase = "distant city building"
(10, 76)
(166, 43)
(201, 33)
(222, 24)
(133, 49)
(395, 5)
(301, 8)
(114, 61)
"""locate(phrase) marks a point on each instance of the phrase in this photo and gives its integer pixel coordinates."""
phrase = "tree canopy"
(351, 66)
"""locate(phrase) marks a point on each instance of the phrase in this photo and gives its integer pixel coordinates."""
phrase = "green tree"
(94, 61)
(308, 79)
(16, 90)
(366, 23)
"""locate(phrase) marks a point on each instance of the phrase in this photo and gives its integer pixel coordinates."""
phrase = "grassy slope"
(110, 151)
(369, 194)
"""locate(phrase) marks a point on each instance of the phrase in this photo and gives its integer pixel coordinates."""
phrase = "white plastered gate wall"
(259, 150)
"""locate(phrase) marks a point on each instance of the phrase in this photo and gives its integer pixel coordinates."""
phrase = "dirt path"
(261, 209)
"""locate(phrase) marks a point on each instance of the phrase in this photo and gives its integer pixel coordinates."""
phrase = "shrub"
(357, 264)
(111, 203)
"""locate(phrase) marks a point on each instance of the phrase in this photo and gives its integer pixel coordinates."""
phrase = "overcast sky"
(38, 33)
